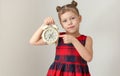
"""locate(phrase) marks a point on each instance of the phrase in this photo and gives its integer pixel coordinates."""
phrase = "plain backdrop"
(19, 19)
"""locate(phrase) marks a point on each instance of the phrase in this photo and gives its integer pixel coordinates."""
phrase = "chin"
(71, 31)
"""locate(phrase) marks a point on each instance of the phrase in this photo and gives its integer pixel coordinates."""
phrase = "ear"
(80, 18)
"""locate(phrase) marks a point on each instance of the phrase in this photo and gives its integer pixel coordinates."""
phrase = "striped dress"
(68, 61)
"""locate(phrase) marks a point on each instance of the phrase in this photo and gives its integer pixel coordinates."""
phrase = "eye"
(64, 21)
(73, 18)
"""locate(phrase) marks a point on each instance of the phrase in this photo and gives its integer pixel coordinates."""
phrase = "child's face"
(70, 22)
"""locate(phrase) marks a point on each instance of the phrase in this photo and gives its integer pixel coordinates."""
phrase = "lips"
(71, 27)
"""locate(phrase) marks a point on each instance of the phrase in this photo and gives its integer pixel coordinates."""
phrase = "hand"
(67, 38)
(49, 21)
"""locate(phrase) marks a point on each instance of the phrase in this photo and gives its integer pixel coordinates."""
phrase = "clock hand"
(49, 36)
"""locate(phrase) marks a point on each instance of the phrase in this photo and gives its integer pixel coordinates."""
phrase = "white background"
(19, 19)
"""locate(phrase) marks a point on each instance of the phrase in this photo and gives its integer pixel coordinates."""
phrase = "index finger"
(61, 36)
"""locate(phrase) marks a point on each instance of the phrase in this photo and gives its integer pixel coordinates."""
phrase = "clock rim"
(50, 42)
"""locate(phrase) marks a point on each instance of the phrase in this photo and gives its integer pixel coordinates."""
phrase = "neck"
(76, 34)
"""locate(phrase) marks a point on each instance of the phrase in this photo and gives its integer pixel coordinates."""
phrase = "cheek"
(64, 27)
(77, 22)
(62, 24)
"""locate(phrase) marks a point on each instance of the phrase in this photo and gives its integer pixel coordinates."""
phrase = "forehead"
(67, 14)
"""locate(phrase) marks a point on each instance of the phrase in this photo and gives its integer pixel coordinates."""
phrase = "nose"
(69, 22)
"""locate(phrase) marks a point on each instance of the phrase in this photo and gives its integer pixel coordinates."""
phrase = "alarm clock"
(50, 34)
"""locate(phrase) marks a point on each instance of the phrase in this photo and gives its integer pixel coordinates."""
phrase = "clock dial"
(50, 35)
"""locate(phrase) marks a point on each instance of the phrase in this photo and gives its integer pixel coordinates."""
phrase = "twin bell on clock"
(50, 33)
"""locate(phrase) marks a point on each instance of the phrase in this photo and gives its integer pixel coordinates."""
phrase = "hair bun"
(58, 8)
(74, 3)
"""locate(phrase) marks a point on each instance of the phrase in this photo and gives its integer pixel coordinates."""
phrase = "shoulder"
(87, 37)
(84, 37)
(89, 40)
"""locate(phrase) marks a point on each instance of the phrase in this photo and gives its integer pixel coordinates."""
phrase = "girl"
(73, 49)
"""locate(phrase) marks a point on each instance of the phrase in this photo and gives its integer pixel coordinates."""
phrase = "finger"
(46, 21)
(62, 36)
(52, 20)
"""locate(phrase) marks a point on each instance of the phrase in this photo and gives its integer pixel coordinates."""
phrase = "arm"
(86, 51)
(36, 39)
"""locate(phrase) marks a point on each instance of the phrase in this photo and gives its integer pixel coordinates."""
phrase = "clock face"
(50, 35)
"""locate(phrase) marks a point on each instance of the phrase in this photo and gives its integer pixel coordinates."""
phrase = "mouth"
(71, 27)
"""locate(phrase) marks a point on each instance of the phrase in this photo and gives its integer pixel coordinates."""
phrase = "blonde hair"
(68, 7)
